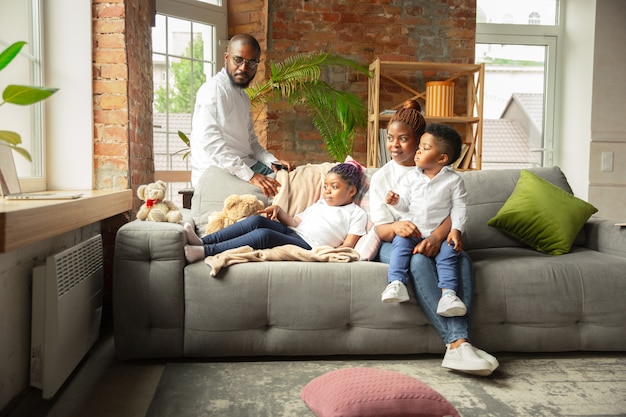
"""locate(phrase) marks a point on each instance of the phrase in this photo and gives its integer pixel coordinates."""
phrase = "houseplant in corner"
(335, 114)
(22, 95)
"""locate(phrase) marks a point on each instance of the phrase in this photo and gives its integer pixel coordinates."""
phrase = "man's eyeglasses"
(249, 62)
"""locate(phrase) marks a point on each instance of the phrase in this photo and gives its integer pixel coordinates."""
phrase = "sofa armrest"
(604, 236)
(148, 290)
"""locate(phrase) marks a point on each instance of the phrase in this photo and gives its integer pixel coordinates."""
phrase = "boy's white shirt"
(427, 202)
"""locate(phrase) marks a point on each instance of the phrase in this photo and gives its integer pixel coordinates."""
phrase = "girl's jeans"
(256, 231)
(446, 261)
(423, 277)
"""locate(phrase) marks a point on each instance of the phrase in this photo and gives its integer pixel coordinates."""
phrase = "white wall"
(607, 189)
(70, 162)
(69, 112)
(573, 104)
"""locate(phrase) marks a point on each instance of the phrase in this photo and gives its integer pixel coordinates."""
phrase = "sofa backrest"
(214, 186)
(487, 191)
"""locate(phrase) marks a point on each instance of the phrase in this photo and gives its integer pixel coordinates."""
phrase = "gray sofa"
(524, 301)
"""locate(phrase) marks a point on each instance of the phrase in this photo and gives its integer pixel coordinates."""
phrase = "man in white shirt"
(222, 127)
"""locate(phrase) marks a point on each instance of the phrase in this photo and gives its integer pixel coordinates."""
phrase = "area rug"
(524, 385)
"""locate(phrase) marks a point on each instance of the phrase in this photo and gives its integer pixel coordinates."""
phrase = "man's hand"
(278, 165)
(268, 185)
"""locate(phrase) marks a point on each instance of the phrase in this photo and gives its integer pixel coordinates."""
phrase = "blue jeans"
(256, 231)
(423, 276)
(446, 261)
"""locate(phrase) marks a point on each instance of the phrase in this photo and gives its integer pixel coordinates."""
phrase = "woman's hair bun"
(412, 104)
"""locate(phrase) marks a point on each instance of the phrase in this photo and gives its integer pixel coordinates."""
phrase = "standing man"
(222, 132)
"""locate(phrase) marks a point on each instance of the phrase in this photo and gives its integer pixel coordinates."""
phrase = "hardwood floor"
(101, 385)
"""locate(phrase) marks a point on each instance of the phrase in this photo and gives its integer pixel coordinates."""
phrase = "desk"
(24, 222)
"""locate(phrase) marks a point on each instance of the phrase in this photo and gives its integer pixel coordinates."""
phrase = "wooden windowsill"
(24, 222)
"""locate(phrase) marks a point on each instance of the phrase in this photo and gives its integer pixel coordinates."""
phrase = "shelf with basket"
(449, 93)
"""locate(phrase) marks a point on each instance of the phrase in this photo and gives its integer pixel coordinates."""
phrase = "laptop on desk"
(10, 185)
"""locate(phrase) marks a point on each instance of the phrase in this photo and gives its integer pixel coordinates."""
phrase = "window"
(517, 41)
(188, 44)
(19, 21)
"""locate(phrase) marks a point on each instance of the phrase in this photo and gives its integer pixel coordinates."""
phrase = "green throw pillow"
(542, 215)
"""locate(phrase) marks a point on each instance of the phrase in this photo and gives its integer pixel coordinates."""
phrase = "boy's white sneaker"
(395, 293)
(450, 305)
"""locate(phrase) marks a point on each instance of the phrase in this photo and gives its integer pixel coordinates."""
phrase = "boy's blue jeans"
(256, 231)
(423, 277)
(446, 262)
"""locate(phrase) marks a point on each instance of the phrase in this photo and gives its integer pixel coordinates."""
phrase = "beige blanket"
(301, 187)
(280, 253)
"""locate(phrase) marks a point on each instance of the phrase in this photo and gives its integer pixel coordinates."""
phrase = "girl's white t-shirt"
(324, 225)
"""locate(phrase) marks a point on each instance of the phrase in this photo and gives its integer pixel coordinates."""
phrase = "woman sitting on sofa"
(404, 131)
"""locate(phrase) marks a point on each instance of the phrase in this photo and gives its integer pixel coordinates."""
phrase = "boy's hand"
(454, 239)
(392, 198)
(271, 212)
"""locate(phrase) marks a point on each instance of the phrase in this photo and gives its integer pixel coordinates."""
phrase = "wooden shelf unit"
(469, 82)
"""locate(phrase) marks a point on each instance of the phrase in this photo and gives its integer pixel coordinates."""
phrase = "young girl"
(333, 221)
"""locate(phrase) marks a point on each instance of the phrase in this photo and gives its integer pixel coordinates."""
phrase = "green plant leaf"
(19, 150)
(12, 138)
(184, 138)
(25, 94)
(10, 53)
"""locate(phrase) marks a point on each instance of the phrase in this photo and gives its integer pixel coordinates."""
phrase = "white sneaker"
(465, 359)
(450, 305)
(489, 358)
(395, 293)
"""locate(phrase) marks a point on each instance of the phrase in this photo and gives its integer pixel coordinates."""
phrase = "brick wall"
(122, 84)
(362, 30)
(420, 30)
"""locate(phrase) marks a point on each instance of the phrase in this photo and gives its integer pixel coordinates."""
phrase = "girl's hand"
(271, 212)
(392, 198)
(406, 228)
(428, 247)
(454, 239)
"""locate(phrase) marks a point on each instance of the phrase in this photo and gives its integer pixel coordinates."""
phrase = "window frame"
(548, 36)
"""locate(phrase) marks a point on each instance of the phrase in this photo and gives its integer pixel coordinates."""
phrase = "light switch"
(607, 161)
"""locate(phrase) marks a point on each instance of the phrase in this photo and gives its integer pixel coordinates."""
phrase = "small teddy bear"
(156, 208)
(236, 207)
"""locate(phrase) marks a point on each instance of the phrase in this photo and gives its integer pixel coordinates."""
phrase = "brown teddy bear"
(156, 208)
(236, 207)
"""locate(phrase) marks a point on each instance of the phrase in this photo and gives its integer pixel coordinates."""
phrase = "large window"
(517, 41)
(188, 45)
(19, 21)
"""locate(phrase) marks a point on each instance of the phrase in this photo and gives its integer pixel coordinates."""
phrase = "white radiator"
(66, 313)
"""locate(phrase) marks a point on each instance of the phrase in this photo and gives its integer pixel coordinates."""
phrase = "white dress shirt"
(427, 202)
(222, 131)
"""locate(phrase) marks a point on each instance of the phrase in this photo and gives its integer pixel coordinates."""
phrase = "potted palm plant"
(21, 95)
(335, 114)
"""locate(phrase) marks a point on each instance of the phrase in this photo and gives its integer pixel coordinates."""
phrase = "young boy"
(429, 194)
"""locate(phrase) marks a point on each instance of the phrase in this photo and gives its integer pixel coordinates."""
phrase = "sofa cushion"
(214, 186)
(542, 215)
(372, 392)
(487, 191)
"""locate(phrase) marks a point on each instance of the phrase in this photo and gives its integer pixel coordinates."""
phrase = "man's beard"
(240, 84)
